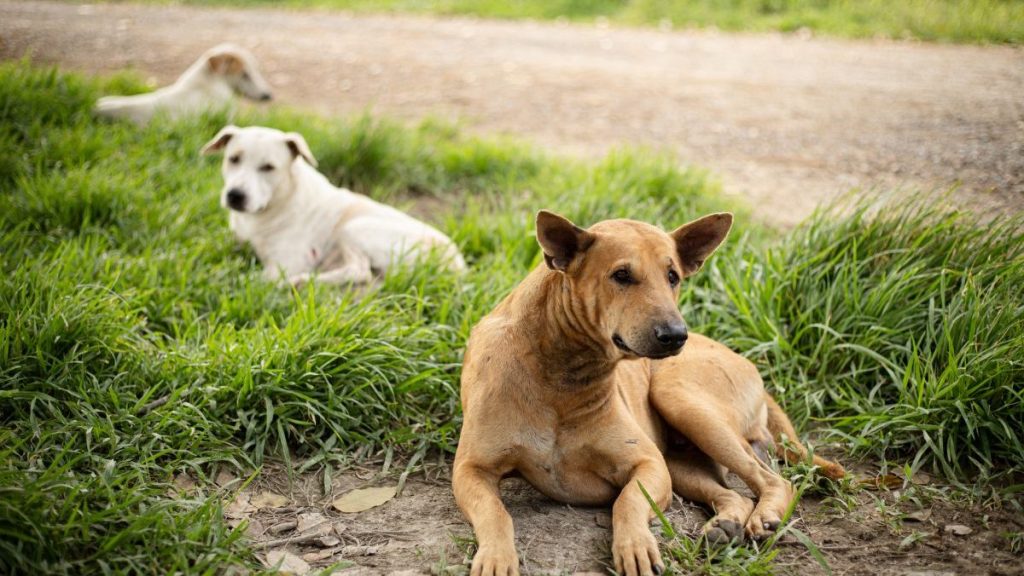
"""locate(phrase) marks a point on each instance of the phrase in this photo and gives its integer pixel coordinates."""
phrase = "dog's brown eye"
(673, 278)
(235, 159)
(267, 168)
(245, 75)
(622, 276)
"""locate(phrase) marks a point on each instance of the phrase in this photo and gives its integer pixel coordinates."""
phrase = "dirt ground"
(785, 121)
(877, 532)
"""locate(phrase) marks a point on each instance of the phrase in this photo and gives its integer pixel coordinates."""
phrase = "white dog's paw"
(299, 280)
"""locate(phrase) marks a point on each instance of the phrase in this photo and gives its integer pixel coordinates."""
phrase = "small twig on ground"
(154, 405)
(307, 539)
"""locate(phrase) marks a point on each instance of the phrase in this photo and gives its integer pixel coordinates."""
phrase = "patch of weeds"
(897, 327)
(1014, 541)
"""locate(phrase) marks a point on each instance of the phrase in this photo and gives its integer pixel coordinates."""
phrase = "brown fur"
(226, 63)
(570, 383)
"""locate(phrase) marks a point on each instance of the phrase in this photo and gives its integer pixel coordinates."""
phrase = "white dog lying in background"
(208, 84)
(303, 226)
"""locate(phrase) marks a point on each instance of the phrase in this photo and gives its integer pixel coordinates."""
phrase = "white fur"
(303, 226)
(208, 84)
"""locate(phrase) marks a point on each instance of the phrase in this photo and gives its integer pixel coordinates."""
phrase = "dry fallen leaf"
(328, 541)
(265, 500)
(318, 556)
(255, 528)
(919, 515)
(365, 498)
(286, 562)
(225, 479)
(239, 507)
(883, 482)
(958, 529)
(184, 484)
(313, 522)
(357, 550)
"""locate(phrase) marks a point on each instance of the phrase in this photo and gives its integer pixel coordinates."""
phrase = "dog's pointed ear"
(696, 240)
(560, 240)
(297, 144)
(220, 140)
(225, 63)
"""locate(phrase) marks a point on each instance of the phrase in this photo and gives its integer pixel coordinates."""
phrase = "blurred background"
(787, 102)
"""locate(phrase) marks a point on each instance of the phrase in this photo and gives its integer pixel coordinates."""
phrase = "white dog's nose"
(236, 199)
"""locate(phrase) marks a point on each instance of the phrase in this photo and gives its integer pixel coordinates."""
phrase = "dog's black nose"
(266, 96)
(671, 336)
(236, 199)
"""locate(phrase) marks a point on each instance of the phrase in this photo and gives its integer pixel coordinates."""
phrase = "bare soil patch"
(785, 121)
(422, 532)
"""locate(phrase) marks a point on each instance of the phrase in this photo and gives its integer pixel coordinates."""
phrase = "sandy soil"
(785, 121)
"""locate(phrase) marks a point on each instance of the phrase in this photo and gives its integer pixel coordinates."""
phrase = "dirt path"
(784, 121)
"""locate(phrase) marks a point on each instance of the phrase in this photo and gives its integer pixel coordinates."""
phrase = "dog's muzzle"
(671, 337)
(665, 340)
(235, 200)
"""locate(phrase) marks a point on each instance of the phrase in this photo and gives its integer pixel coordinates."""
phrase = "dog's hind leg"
(702, 421)
(697, 477)
(355, 269)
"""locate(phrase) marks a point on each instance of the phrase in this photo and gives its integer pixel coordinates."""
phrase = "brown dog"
(576, 382)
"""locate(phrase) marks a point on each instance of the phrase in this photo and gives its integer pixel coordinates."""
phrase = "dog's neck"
(567, 341)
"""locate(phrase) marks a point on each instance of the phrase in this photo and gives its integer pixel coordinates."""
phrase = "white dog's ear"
(696, 240)
(297, 144)
(560, 239)
(225, 63)
(220, 140)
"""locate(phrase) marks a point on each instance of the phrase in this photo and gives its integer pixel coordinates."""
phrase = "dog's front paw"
(637, 554)
(495, 561)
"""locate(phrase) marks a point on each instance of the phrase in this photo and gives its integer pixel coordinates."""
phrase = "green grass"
(904, 328)
(121, 286)
(971, 21)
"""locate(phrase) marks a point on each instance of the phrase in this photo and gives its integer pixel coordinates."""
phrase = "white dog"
(303, 226)
(208, 84)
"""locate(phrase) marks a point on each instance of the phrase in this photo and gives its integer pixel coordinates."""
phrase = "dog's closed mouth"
(621, 344)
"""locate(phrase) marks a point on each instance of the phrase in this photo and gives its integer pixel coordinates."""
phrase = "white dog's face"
(237, 67)
(257, 165)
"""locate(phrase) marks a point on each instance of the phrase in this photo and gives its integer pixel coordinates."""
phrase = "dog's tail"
(794, 451)
(109, 105)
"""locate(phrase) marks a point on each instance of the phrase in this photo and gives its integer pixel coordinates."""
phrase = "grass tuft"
(901, 327)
